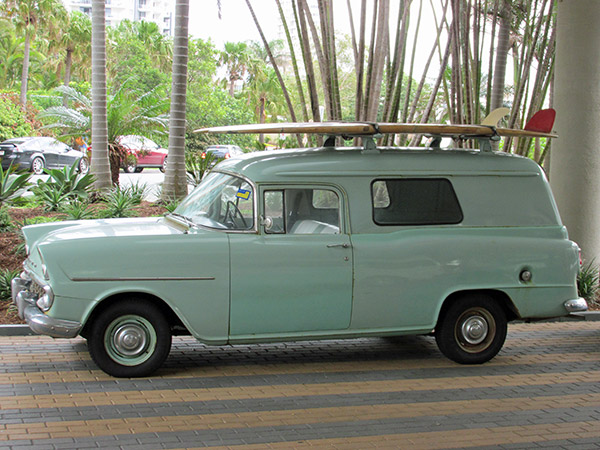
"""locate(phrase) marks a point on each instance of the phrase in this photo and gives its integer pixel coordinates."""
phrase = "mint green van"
(321, 243)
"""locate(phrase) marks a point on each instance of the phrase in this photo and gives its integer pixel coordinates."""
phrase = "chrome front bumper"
(576, 305)
(39, 322)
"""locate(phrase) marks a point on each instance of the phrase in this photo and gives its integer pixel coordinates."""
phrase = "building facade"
(160, 12)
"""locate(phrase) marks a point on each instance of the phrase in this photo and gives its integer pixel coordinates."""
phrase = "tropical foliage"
(64, 186)
(12, 185)
(485, 54)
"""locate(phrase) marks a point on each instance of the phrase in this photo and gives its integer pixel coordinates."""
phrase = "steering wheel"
(232, 211)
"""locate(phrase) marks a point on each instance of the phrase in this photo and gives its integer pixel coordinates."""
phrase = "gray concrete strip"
(15, 330)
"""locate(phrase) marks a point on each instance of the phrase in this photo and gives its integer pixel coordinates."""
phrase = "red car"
(143, 153)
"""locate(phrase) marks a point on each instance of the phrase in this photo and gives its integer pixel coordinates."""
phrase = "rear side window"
(415, 201)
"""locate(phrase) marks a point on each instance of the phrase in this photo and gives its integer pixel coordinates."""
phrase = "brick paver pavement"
(541, 391)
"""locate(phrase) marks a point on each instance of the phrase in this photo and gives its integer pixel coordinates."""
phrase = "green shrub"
(25, 202)
(171, 205)
(587, 282)
(12, 185)
(64, 186)
(6, 277)
(119, 203)
(69, 180)
(136, 191)
(196, 166)
(13, 120)
(50, 197)
(77, 210)
(5, 220)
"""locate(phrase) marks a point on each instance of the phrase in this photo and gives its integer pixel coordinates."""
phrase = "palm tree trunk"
(502, 48)
(175, 184)
(320, 55)
(308, 63)
(360, 65)
(378, 58)
(25, 71)
(68, 64)
(294, 62)
(100, 163)
(275, 67)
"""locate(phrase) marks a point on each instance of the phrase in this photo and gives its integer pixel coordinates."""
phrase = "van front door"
(296, 275)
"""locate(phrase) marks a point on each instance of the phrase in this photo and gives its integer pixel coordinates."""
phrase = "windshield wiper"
(186, 219)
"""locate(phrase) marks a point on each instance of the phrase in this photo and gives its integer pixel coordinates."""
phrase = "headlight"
(46, 300)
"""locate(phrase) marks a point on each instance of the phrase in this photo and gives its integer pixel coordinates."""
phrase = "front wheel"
(130, 339)
(472, 330)
(164, 165)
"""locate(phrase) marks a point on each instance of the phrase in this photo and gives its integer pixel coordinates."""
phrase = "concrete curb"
(590, 316)
(15, 330)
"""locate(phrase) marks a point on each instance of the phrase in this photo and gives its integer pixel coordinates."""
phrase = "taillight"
(580, 259)
(203, 155)
(227, 156)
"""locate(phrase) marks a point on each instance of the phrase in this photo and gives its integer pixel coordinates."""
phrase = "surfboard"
(540, 125)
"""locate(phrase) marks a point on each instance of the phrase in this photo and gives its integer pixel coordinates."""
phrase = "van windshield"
(221, 201)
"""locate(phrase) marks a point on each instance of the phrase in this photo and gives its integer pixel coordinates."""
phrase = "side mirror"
(266, 222)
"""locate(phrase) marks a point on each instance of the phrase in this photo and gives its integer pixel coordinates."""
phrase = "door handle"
(344, 245)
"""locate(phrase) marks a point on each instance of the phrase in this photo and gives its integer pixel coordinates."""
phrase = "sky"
(236, 23)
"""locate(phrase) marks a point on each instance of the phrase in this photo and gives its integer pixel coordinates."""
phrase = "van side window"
(302, 211)
(415, 201)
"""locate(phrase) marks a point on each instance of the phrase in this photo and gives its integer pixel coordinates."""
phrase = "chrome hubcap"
(130, 340)
(474, 330)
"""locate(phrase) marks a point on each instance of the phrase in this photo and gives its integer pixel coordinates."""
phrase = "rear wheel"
(84, 165)
(130, 339)
(130, 167)
(37, 165)
(164, 165)
(472, 330)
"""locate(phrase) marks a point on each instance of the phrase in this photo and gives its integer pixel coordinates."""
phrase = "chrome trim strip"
(143, 279)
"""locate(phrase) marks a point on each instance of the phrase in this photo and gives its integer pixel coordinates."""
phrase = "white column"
(575, 162)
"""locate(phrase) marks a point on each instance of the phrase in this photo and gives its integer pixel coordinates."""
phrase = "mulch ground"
(10, 259)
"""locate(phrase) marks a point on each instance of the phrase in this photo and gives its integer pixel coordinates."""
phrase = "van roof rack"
(540, 125)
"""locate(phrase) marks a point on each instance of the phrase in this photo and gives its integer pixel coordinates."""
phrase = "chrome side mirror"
(266, 222)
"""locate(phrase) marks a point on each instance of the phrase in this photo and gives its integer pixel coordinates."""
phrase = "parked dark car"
(36, 153)
(223, 151)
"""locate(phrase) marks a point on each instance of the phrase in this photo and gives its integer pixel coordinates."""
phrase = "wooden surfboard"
(542, 128)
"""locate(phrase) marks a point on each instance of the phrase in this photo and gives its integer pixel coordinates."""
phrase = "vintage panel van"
(327, 242)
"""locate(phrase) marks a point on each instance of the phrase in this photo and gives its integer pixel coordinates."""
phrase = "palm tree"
(99, 129)
(264, 93)
(76, 41)
(11, 58)
(28, 16)
(175, 184)
(235, 59)
(127, 112)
